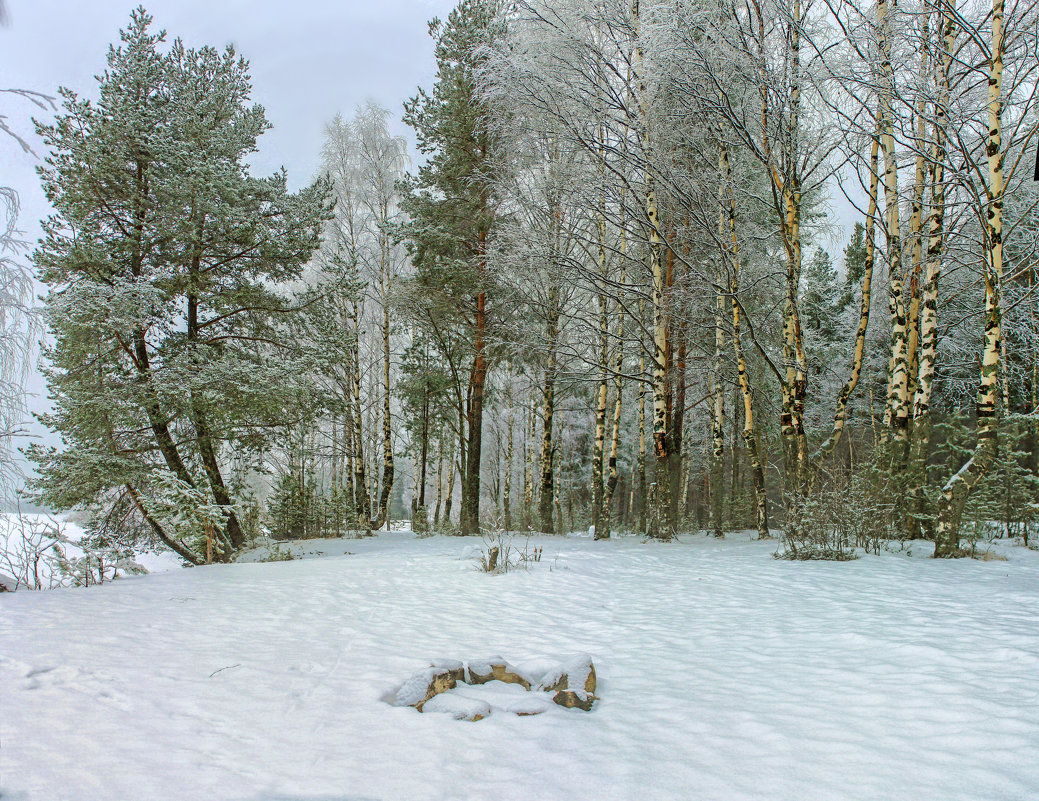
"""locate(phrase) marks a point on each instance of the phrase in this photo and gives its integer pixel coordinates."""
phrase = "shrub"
(500, 554)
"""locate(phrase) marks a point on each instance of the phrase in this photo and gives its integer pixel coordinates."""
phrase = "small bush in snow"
(836, 520)
(278, 555)
(500, 553)
(818, 530)
(37, 554)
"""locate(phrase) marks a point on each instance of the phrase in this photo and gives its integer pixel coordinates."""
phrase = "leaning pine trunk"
(171, 542)
(207, 448)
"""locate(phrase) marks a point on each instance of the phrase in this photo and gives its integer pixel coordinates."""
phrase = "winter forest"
(757, 282)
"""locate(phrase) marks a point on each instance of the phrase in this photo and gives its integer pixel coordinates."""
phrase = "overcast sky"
(310, 59)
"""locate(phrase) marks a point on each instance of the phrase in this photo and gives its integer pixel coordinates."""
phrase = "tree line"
(602, 297)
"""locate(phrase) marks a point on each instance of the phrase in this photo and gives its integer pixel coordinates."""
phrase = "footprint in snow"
(74, 679)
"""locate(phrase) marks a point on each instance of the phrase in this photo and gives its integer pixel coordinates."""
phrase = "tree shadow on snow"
(283, 797)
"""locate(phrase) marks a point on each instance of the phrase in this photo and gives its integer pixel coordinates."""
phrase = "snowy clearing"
(723, 674)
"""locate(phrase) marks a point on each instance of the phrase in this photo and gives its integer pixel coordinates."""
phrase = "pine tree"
(451, 209)
(854, 260)
(171, 354)
(822, 300)
(424, 391)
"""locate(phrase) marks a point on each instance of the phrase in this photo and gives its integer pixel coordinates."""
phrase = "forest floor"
(724, 675)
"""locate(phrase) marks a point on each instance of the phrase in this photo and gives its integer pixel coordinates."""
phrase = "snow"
(458, 706)
(723, 675)
(494, 697)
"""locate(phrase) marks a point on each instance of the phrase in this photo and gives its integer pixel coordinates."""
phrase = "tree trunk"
(840, 415)
(795, 386)
(897, 404)
(174, 544)
(387, 423)
(546, 491)
(920, 517)
(639, 488)
(916, 236)
(605, 520)
(750, 433)
(470, 514)
(1032, 438)
(440, 481)
(207, 447)
(510, 424)
(335, 490)
(348, 461)
(599, 440)
(421, 514)
(449, 492)
(659, 523)
(528, 463)
(957, 489)
(156, 419)
(717, 390)
(677, 451)
(361, 497)
(786, 191)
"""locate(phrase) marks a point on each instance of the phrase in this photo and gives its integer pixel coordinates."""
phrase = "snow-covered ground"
(722, 673)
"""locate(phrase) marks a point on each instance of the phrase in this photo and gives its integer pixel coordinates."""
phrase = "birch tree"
(1016, 89)
(19, 320)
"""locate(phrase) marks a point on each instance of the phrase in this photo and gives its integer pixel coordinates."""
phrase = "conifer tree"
(451, 209)
(172, 363)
